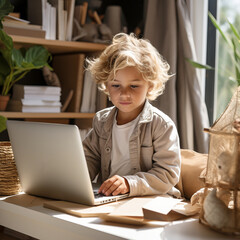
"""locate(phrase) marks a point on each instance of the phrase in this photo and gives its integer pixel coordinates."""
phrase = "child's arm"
(164, 172)
(92, 153)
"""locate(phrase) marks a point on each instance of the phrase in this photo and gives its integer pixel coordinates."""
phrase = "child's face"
(128, 92)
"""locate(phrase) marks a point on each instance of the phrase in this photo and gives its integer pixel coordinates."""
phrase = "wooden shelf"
(64, 115)
(57, 46)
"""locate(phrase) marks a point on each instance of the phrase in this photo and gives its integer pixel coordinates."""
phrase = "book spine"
(40, 103)
(41, 109)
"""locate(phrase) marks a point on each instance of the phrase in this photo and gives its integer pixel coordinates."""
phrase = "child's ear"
(150, 86)
(106, 91)
(106, 88)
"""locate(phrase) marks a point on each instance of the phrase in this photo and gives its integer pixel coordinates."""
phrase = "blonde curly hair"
(128, 51)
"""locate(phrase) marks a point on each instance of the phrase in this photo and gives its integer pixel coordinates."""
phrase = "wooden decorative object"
(221, 205)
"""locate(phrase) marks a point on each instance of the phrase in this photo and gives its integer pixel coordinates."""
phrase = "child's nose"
(124, 92)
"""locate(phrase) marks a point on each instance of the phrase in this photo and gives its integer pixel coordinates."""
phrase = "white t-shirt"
(120, 164)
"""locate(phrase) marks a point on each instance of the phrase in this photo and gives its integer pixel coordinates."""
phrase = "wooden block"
(81, 210)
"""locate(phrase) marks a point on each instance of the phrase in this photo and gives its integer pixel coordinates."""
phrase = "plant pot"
(3, 102)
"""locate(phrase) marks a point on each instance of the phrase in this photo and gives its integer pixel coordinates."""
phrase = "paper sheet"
(132, 207)
(162, 205)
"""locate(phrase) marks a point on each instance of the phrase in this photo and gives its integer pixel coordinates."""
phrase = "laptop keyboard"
(98, 195)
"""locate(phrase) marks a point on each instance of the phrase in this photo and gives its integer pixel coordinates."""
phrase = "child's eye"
(115, 85)
(134, 86)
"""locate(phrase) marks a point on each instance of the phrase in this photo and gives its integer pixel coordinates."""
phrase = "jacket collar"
(145, 116)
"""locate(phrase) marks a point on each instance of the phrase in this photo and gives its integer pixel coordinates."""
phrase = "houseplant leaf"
(19, 62)
(214, 22)
(4, 69)
(17, 57)
(237, 60)
(234, 44)
(38, 56)
(5, 8)
(199, 65)
(7, 47)
(234, 30)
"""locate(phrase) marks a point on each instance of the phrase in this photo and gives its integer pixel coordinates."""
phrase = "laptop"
(51, 163)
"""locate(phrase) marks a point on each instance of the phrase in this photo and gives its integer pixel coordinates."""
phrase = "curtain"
(168, 27)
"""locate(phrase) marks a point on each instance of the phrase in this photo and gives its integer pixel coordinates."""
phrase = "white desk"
(43, 223)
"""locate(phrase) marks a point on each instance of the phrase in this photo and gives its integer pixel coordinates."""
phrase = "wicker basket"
(9, 180)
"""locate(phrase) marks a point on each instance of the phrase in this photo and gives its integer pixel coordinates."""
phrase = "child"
(133, 146)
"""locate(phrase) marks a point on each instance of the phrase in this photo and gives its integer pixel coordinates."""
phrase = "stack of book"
(72, 69)
(55, 16)
(92, 98)
(28, 98)
(14, 25)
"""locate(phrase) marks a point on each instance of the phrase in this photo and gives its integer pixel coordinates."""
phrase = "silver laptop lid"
(50, 161)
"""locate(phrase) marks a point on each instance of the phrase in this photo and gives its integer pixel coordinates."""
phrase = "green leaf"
(6, 40)
(5, 8)
(214, 22)
(17, 57)
(15, 64)
(234, 30)
(3, 124)
(236, 61)
(199, 65)
(38, 56)
(7, 47)
(235, 44)
(4, 69)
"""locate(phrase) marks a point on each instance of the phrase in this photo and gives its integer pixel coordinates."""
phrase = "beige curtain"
(168, 28)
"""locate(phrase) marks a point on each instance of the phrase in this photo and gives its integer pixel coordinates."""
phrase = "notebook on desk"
(51, 163)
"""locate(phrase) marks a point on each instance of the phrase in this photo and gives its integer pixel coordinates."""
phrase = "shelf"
(64, 115)
(57, 46)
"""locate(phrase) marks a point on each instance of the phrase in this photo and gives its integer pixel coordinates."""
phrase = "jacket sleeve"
(92, 150)
(166, 160)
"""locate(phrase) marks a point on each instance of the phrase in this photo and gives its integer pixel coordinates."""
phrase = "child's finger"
(107, 184)
(113, 187)
(102, 188)
(122, 188)
(118, 190)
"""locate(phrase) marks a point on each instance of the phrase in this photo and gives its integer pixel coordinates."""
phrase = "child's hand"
(114, 186)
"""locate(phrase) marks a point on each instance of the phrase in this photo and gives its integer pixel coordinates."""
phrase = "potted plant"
(228, 73)
(16, 63)
(233, 42)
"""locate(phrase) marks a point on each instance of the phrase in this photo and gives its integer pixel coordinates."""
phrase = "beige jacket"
(153, 147)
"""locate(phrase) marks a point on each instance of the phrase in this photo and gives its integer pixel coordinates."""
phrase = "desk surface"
(43, 223)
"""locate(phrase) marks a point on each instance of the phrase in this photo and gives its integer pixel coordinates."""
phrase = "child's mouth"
(125, 103)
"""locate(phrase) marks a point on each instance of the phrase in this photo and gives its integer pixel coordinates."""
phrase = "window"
(225, 80)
